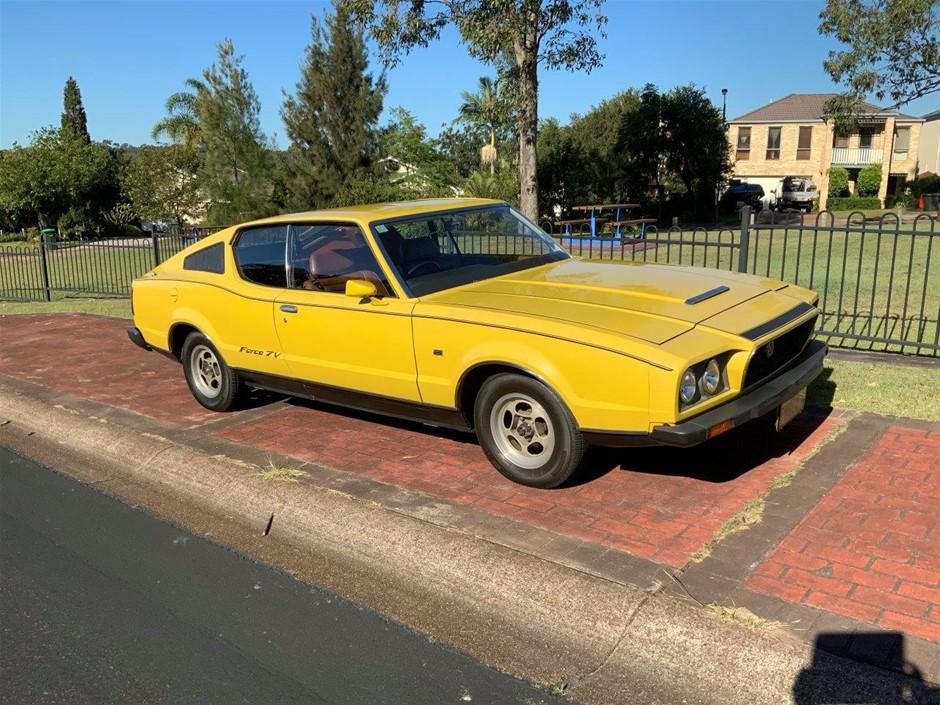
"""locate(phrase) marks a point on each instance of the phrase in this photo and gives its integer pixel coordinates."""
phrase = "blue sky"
(129, 56)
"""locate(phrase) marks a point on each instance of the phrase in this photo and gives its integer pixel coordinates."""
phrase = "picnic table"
(642, 222)
(567, 225)
(597, 208)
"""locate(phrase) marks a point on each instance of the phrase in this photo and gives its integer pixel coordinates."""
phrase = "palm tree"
(181, 124)
(488, 109)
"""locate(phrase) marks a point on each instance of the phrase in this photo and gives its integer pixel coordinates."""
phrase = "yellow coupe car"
(464, 314)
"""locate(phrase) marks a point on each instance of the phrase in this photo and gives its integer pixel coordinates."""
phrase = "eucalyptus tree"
(519, 36)
(891, 48)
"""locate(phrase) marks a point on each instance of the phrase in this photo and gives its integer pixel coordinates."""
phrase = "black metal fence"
(878, 279)
(44, 271)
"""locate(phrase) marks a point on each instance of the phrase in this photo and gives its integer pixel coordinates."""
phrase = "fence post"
(156, 248)
(44, 269)
(745, 237)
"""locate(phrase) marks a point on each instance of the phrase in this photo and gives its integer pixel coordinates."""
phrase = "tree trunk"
(526, 55)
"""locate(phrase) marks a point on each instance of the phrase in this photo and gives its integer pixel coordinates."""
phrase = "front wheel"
(214, 384)
(527, 431)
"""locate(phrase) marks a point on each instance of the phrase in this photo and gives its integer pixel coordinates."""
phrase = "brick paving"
(91, 357)
(870, 549)
(661, 504)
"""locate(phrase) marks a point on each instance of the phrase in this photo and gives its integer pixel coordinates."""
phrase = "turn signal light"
(720, 428)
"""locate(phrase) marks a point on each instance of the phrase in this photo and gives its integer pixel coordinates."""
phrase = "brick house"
(790, 137)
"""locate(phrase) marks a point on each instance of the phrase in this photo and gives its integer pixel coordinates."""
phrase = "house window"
(773, 142)
(744, 144)
(804, 146)
(902, 142)
(866, 139)
(841, 142)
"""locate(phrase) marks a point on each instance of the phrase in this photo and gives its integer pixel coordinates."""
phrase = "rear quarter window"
(260, 254)
(208, 259)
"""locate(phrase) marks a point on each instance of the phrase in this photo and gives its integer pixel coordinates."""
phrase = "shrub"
(838, 181)
(908, 200)
(869, 180)
(853, 203)
(13, 236)
(930, 184)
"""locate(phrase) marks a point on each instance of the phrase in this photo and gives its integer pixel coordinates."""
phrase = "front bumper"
(739, 410)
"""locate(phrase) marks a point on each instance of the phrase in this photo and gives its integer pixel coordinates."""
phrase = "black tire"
(225, 383)
(567, 445)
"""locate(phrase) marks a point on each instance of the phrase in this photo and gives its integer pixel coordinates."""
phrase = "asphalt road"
(103, 603)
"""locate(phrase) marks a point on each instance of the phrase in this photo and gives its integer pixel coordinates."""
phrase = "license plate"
(790, 409)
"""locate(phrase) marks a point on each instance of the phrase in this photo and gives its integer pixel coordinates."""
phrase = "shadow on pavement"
(720, 460)
(832, 680)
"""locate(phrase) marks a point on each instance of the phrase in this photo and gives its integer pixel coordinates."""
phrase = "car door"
(357, 343)
(241, 307)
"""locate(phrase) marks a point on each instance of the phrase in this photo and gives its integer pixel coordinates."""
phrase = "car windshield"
(436, 251)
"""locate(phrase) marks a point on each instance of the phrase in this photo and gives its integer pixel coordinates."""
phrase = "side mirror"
(360, 289)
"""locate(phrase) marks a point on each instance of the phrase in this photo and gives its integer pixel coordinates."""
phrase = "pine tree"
(236, 172)
(74, 120)
(331, 120)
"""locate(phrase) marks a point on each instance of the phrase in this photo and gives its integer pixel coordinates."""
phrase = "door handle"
(288, 308)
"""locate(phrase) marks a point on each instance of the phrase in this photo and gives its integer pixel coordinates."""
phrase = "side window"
(259, 253)
(208, 259)
(326, 256)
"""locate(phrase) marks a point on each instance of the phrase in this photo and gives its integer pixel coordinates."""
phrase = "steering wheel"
(411, 272)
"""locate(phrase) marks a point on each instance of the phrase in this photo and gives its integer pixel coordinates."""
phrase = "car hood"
(652, 302)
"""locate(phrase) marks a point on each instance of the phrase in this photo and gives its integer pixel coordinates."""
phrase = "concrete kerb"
(524, 615)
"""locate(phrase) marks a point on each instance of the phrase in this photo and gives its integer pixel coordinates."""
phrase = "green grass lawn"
(118, 308)
(881, 388)
(75, 269)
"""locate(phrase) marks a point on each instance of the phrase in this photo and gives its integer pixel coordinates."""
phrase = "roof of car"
(382, 211)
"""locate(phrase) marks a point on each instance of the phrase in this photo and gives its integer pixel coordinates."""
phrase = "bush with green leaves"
(838, 181)
(854, 203)
(869, 180)
(895, 200)
(929, 184)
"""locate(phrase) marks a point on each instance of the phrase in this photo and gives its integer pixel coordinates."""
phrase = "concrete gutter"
(612, 643)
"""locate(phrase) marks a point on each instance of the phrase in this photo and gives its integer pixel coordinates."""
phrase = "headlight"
(711, 379)
(688, 387)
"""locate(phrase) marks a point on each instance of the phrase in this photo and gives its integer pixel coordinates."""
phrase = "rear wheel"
(214, 384)
(527, 431)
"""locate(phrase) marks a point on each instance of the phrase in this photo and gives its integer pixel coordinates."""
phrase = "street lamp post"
(724, 105)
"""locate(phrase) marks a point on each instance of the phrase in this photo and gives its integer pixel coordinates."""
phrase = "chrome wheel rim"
(206, 371)
(522, 431)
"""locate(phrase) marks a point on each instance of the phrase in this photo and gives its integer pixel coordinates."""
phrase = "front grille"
(785, 348)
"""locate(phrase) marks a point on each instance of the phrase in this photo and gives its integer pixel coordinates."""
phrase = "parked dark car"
(739, 195)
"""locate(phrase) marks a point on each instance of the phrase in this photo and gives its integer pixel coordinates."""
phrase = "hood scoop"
(705, 295)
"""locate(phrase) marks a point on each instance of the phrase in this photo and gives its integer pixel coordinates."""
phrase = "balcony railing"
(853, 156)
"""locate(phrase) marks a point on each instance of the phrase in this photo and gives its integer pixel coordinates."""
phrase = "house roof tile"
(807, 107)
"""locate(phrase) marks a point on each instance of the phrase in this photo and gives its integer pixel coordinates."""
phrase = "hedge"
(853, 203)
